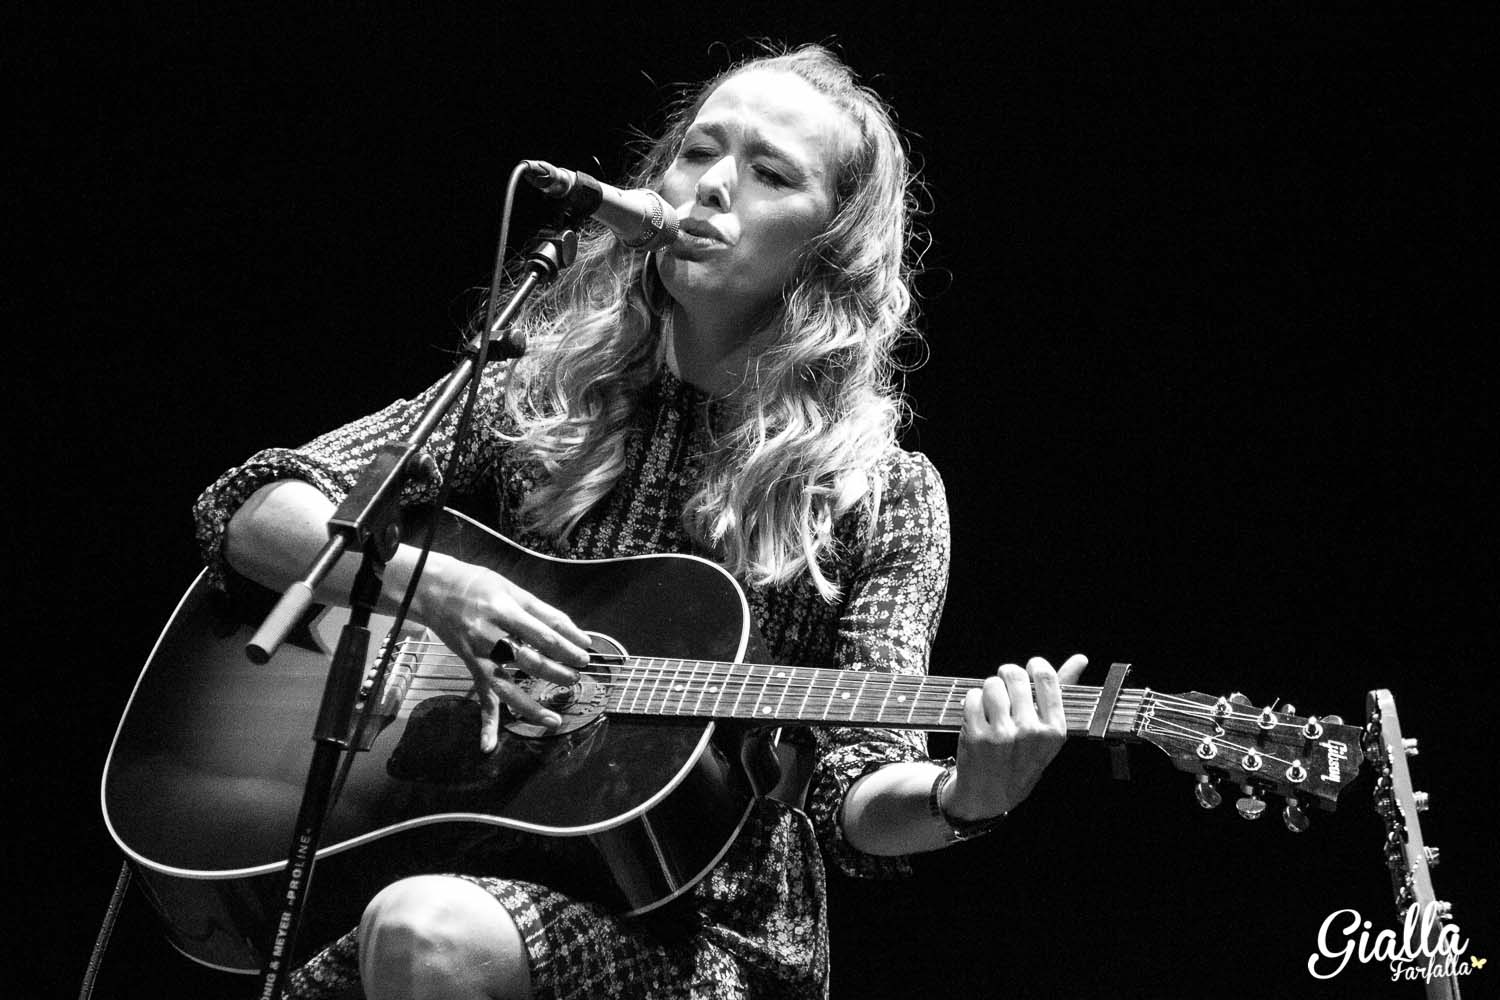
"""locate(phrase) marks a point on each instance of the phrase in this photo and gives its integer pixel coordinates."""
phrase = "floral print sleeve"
(332, 463)
(888, 623)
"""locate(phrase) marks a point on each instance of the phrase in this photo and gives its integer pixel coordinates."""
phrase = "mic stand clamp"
(550, 251)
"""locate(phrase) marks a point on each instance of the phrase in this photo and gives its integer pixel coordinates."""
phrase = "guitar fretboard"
(782, 695)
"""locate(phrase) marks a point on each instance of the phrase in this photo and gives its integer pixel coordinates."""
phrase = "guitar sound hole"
(578, 705)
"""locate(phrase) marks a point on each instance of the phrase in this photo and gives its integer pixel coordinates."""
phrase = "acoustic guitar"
(631, 801)
(1407, 855)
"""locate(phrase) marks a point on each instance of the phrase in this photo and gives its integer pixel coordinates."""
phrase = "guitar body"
(205, 776)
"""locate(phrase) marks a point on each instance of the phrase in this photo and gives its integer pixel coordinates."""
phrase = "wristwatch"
(958, 829)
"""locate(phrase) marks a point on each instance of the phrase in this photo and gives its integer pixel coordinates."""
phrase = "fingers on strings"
(1023, 697)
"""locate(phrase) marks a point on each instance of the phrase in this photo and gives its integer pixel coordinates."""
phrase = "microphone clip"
(551, 250)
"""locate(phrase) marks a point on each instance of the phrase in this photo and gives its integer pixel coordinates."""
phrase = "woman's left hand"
(1013, 727)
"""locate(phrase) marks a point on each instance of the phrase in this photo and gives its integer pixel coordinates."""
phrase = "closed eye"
(771, 177)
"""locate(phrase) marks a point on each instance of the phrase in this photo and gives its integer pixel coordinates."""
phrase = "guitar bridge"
(388, 702)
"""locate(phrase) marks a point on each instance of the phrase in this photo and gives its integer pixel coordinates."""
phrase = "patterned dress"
(760, 924)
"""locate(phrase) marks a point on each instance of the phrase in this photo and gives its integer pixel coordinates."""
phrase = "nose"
(716, 185)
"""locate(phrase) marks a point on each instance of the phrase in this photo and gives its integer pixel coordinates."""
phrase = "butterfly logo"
(1477, 962)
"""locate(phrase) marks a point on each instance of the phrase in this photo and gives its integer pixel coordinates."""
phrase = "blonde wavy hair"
(818, 408)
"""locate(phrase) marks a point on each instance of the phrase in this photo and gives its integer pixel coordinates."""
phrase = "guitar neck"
(784, 695)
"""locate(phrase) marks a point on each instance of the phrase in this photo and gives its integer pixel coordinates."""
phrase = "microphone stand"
(368, 522)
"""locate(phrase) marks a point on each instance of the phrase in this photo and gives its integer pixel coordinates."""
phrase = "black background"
(1208, 385)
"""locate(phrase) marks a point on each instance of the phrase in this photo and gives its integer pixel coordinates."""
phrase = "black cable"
(460, 430)
(106, 929)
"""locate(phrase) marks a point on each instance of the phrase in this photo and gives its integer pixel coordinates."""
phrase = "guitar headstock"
(1259, 749)
(1407, 855)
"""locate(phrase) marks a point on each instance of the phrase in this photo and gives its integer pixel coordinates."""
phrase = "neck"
(709, 350)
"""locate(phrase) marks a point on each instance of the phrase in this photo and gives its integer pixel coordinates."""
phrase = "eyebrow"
(757, 145)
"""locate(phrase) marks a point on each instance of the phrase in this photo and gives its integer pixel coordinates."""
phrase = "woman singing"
(730, 396)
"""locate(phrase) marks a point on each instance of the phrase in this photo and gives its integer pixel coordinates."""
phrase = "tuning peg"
(1295, 819)
(1250, 806)
(1288, 709)
(1238, 698)
(1333, 720)
(1443, 908)
(1207, 795)
(1409, 744)
(1432, 856)
(1421, 801)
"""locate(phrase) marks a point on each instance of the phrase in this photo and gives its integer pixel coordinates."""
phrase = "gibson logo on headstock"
(1337, 752)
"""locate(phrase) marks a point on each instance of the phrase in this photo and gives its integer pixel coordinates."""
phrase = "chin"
(688, 281)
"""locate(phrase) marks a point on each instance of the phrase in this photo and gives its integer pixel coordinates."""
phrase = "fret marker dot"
(677, 687)
(765, 709)
(900, 697)
(782, 674)
(844, 694)
(712, 688)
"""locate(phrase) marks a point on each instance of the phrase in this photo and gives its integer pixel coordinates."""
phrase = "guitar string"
(930, 708)
(641, 676)
(643, 665)
(1191, 736)
(1077, 715)
(1079, 707)
(642, 681)
(637, 674)
(923, 691)
(1079, 701)
(638, 682)
(927, 701)
(1080, 713)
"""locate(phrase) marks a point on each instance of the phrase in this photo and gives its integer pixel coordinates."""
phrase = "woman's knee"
(434, 937)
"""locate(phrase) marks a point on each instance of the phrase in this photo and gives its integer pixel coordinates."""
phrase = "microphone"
(642, 219)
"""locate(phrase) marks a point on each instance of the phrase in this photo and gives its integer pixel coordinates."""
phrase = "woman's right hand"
(471, 609)
(281, 529)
